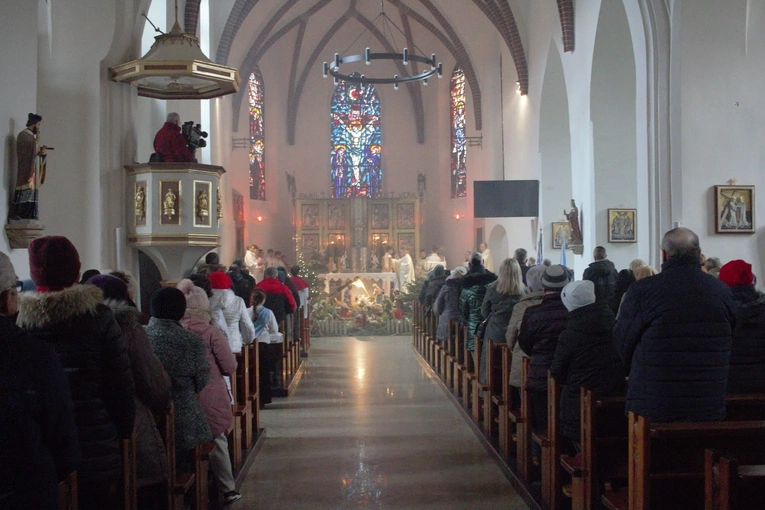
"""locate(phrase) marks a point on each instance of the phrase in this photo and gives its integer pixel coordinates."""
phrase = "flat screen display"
(506, 199)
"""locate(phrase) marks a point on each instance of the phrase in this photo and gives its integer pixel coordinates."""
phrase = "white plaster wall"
(18, 54)
(614, 128)
(722, 72)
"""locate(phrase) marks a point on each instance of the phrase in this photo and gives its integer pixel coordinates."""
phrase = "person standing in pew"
(182, 353)
(266, 328)
(540, 328)
(152, 388)
(473, 290)
(447, 304)
(215, 398)
(747, 357)
(281, 302)
(533, 298)
(497, 307)
(38, 437)
(88, 341)
(585, 355)
(674, 333)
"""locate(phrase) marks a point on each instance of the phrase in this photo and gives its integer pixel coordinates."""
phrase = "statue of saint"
(169, 203)
(573, 222)
(30, 173)
(140, 203)
(203, 205)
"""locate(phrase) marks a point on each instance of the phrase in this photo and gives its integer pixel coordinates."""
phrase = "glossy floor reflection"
(367, 428)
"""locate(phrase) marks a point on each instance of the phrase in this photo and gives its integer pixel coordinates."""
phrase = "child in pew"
(585, 356)
(215, 398)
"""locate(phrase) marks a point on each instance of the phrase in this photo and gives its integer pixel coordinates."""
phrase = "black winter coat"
(674, 334)
(38, 438)
(747, 357)
(89, 345)
(540, 328)
(497, 308)
(432, 290)
(603, 274)
(278, 304)
(585, 357)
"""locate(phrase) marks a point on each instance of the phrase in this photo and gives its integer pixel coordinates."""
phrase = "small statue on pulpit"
(140, 203)
(203, 205)
(169, 203)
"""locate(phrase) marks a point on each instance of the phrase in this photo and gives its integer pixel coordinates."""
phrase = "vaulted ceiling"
(417, 18)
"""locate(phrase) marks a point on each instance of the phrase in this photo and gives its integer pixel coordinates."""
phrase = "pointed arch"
(356, 145)
(256, 102)
(458, 139)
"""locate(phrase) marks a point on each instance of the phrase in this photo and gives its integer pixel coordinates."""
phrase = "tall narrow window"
(257, 138)
(459, 145)
(356, 152)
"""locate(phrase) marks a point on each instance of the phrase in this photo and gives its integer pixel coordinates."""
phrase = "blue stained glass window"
(356, 152)
(257, 138)
(459, 141)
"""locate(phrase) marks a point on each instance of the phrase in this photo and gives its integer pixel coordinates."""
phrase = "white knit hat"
(196, 298)
(578, 294)
(7, 273)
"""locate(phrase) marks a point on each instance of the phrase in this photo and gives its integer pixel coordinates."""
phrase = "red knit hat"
(220, 280)
(54, 262)
(736, 273)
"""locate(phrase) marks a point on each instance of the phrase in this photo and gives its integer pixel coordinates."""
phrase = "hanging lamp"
(176, 68)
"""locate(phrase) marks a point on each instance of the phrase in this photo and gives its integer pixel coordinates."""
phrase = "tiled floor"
(367, 428)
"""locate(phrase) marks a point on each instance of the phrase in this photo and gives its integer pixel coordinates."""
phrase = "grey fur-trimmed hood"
(122, 310)
(39, 310)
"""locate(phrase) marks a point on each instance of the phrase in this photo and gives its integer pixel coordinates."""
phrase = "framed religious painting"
(336, 215)
(202, 216)
(622, 225)
(734, 209)
(405, 215)
(406, 242)
(310, 246)
(140, 203)
(169, 202)
(380, 217)
(310, 216)
(561, 231)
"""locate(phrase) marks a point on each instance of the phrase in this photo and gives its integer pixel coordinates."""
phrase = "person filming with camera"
(170, 143)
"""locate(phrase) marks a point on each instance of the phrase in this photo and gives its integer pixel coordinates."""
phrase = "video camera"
(195, 137)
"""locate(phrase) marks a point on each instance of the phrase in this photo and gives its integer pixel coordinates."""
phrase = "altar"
(349, 235)
(386, 281)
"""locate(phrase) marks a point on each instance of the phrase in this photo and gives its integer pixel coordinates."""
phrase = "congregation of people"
(82, 368)
(674, 342)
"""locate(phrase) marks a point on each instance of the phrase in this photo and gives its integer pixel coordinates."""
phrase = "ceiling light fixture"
(176, 68)
(405, 57)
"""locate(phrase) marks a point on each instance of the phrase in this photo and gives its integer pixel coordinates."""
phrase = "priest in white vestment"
(405, 271)
(433, 260)
(488, 262)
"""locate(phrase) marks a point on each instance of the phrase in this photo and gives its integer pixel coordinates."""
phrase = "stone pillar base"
(22, 232)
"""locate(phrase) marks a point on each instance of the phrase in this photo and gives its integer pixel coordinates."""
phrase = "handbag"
(480, 328)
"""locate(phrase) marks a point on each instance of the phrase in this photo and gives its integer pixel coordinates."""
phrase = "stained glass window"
(257, 140)
(459, 145)
(356, 152)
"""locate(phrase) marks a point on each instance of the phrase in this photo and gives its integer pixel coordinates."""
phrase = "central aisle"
(367, 427)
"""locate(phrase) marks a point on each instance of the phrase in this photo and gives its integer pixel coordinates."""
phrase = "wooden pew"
(254, 396)
(129, 474)
(523, 427)
(67, 492)
(666, 460)
(604, 449)
(728, 485)
(478, 389)
(455, 332)
(550, 443)
(493, 404)
(468, 375)
(508, 412)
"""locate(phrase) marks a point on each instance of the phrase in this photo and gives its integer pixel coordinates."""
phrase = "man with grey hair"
(674, 334)
(169, 142)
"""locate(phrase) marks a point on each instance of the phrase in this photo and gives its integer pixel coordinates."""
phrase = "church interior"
(609, 108)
